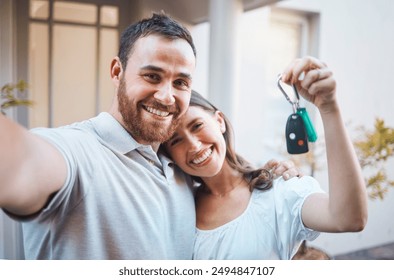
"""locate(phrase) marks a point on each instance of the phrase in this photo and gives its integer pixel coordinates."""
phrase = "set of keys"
(299, 128)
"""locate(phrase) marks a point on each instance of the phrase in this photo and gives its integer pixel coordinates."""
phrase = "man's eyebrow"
(152, 68)
(186, 76)
(161, 70)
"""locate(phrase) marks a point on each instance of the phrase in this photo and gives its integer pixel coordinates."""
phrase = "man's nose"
(165, 95)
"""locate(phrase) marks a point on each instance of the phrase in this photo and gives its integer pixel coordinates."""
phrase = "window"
(265, 52)
(71, 45)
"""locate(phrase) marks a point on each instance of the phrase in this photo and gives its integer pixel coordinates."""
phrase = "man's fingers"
(283, 166)
(286, 169)
(271, 164)
(291, 173)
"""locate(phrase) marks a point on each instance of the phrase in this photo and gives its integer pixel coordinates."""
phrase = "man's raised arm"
(31, 169)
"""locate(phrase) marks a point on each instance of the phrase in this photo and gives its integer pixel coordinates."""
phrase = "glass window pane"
(38, 74)
(39, 9)
(108, 50)
(74, 73)
(75, 12)
(267, 50)
(284, 45)
(109, 15)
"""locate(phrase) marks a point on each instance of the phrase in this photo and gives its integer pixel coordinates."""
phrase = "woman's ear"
(116, 71)
(220, 119)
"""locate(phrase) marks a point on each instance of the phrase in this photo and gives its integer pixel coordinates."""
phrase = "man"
(98, 189)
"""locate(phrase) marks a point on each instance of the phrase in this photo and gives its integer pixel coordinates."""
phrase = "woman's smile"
(202, 156)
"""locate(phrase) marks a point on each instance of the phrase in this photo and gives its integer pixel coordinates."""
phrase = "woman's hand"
(314, 82)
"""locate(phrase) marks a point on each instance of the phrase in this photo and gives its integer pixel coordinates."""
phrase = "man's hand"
(286, 169)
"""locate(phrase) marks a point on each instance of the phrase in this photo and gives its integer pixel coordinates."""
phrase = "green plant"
(374, 149)
(9, 98)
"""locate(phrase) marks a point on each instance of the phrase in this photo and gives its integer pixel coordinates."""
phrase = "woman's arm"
(345, 207)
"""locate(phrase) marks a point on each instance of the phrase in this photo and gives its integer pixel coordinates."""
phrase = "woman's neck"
(224, 182)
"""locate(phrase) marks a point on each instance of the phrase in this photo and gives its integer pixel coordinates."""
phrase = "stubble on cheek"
(144, 129)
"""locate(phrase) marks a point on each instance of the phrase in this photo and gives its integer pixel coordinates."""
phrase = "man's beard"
(140, 129)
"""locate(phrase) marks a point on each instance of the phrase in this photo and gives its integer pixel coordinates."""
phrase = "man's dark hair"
(160, 24)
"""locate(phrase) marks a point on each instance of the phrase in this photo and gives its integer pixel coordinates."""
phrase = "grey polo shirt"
(120, 201)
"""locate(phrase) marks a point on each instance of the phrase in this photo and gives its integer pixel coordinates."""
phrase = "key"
(296, 137)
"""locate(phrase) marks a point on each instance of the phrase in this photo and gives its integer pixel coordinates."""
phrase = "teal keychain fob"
(299, 127)
(310, 130)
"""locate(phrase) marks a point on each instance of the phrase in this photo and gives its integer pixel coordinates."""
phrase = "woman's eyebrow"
(192, 122)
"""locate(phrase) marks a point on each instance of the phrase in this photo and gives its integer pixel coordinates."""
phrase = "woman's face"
(198, 146)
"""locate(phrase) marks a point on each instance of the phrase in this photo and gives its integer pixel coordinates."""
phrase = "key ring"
(294, 104)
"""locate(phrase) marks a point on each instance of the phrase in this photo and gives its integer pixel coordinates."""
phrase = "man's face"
(154, 89)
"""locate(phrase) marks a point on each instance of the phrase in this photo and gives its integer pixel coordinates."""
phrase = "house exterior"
(63, 50)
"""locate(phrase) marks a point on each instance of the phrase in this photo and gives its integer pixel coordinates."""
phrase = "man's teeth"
(203, 157)
(157, 112)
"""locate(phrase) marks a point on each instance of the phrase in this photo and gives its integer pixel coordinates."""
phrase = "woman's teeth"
(203, 157)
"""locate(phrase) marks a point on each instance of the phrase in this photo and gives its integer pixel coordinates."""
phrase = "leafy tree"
(374, 149)
(9, 96)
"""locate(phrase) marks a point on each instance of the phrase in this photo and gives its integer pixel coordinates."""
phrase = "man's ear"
(220, 119)
(116, 70)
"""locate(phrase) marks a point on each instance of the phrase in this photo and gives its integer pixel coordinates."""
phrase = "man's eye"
(152, 77)
(182, 84)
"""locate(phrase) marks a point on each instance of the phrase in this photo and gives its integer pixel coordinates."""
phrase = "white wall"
(356, 41)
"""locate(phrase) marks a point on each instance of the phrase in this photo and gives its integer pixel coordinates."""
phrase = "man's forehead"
(158, 54)
(155, 39)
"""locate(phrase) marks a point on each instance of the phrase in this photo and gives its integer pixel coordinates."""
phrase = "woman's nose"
(195, 145)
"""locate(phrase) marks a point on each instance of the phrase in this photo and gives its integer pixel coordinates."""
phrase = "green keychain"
(310, 130)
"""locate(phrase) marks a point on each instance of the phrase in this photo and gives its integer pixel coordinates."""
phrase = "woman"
(242, 213)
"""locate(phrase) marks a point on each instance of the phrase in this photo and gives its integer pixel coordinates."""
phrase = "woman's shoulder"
(296, 183)
(296, 187)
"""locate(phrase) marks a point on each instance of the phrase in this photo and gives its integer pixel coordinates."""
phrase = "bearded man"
(97, 189)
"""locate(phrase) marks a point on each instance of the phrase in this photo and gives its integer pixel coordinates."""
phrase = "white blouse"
(270, 228)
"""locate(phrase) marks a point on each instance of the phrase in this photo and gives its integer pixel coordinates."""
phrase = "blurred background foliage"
(13, 94)
(374, 148)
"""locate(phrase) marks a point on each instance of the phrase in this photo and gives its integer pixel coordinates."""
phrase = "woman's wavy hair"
(259, 178)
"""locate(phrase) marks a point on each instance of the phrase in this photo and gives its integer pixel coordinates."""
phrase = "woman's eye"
(197, 125)
(174, 142)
